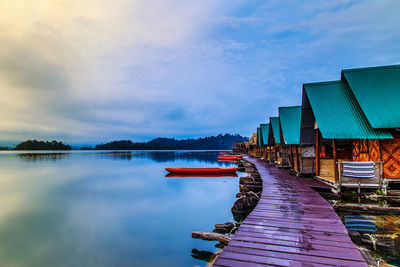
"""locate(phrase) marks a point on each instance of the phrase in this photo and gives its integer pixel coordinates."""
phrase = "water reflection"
(157, 156)
(360, 223)
(386, 228)
(108, 208)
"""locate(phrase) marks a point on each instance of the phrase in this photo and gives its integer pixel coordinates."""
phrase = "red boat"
(229, 160)
(184, 175)
(201, 170)
(230, 157)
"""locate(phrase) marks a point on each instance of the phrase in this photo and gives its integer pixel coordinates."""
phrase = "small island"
(42, 145)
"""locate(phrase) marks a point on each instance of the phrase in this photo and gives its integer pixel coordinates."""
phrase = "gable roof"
(274, 132)
(377, 90)
(264, 133)
(290, 118)
(338, 113)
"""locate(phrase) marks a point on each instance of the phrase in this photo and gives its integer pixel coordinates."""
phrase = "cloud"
(92, 71)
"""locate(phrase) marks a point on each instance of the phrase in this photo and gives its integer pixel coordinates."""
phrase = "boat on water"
(184, 175)
(230, 157)
(201, 170)
(229, 160)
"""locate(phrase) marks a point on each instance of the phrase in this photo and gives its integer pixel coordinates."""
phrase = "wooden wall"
(390, 154)
(285, 154)
(386, 150)
(327, 170)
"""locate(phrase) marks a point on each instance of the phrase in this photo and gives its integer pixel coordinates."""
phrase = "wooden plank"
(300, 226)
(262, 259)
(298, 234)
(295, 257)
(221, 262)
(302, 244)
(294, 216)
(278, 218)
(301, 251)
(300, 238)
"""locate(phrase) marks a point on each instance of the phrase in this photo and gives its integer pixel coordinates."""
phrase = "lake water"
(108, 209)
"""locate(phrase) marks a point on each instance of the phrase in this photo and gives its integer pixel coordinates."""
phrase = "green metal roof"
(274, 121)
(377, 90)
(338, 114)
(264, 133)
(290, 118)
(259, 136)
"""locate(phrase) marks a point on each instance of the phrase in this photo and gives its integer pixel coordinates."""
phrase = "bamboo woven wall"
(386, 150)
(390, 149)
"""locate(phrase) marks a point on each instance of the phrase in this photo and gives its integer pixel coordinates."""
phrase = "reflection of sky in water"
(108, 210)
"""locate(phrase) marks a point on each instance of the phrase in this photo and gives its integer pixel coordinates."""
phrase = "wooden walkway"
(292, 225)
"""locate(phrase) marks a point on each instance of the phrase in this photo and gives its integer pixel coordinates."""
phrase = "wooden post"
(335, 160)
(317, 165)
(270, 153)
(380, 157)
(298, 159)
(291, 157)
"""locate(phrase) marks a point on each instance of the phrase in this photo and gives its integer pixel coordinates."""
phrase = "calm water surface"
(106, 209)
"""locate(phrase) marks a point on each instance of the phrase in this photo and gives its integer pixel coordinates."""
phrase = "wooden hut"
(332, 121)
(377, 91)
(264, 128)
(253, 144)
(259, 152)
(307, 164)
(274, 141)
(290, 123)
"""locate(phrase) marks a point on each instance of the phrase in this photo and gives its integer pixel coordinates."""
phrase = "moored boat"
(184, 175)
(201, 170)
(230, 157)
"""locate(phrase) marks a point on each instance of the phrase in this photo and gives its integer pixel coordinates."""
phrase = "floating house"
(265, 149)
(258, 149)
(354, 120)
(253, 144)
(274, 140)
(377, 91)
(290, 124)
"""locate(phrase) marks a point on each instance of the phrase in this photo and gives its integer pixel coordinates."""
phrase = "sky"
(92, 71)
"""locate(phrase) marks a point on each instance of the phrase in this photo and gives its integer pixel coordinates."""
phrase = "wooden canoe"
(201, 170)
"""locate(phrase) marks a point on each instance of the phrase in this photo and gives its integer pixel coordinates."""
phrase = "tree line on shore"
(221, 141)
(210, 142)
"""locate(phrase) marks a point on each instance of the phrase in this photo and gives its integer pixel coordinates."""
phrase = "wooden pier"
(292, 225)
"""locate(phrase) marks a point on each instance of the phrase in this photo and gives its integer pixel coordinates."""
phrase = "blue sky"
(92, 71)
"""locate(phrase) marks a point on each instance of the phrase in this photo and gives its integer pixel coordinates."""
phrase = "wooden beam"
(297, 158)
(380, 157)
(291, 157)
(317, 145)
(335, 160)
(211, 236)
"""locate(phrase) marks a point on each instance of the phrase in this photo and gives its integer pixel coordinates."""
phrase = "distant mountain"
(211, 142)
(42, 145)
